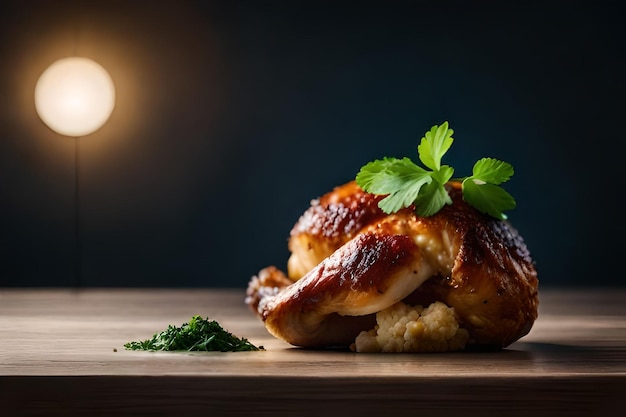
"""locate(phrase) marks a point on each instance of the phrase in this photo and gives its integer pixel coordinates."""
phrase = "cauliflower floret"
(403, 328)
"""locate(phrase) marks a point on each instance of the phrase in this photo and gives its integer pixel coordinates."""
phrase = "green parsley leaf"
(400, 178)
(492, 170)
(432, 199)
(389, 174)
(487, 198)
(404, 183)
(434, 145)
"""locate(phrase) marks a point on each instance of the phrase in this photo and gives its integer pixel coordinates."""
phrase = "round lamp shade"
(74, 96)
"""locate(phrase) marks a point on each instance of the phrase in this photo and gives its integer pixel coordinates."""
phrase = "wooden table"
(61, 351)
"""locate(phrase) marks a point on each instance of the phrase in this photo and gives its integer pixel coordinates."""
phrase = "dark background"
(231, 116)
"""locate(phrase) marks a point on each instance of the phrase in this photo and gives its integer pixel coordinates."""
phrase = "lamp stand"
(77, 242)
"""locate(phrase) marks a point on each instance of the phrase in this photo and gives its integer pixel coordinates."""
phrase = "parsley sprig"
(198, 334)
(406, 183)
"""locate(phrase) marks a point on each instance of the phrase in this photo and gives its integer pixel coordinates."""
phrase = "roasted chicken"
(350, 261)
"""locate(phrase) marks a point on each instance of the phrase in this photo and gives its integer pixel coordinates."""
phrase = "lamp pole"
(77, 240)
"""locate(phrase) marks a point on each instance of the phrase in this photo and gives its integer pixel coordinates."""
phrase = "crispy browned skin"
(470, 261)
(337, 299)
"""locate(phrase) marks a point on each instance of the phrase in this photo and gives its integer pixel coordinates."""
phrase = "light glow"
(74, 96)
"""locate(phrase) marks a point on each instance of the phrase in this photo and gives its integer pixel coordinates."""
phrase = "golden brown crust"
(330, 222)
(328, 306)
(340, 214)
(478, 265)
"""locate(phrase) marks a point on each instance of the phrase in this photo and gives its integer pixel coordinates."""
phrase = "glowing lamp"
(74, 96)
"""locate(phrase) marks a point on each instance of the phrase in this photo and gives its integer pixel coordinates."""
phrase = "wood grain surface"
(62, 352)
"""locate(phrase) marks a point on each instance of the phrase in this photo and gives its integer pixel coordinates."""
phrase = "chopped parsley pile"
(198, 335)
(406, 183)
